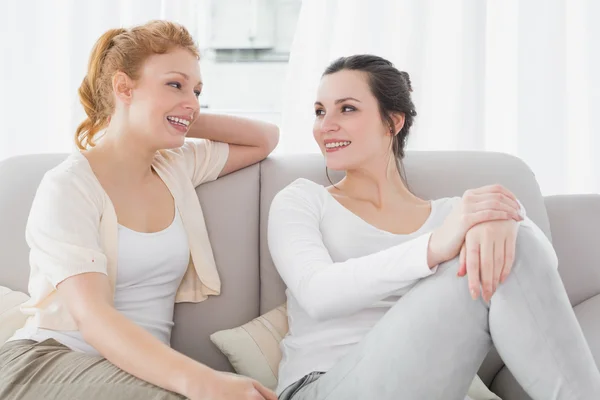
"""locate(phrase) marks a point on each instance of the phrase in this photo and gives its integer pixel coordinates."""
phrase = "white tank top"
(150, 269)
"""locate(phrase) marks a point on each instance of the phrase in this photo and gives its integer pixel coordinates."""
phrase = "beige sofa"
(236, 209)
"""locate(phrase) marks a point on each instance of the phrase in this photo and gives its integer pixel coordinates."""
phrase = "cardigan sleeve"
(204, 159)
(63, 229)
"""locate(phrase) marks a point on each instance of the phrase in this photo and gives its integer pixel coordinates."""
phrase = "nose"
(192, 105)
(329, 124)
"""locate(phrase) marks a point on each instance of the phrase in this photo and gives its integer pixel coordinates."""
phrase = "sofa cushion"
(575, 230)
(253, 348)
(11, 317)
(587, 314)
(230, 206)
(19, 179)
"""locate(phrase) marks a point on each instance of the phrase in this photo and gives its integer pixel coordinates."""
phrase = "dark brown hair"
(391, 88)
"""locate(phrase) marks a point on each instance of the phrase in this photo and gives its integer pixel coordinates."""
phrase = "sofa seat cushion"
(587, 314)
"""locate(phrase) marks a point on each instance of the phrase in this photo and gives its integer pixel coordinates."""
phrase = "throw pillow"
(11, 317)
(253, 348)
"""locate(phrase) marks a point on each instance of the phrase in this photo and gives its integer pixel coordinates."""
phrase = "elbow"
(88, 316)
(271, 138)
(317, 310)
(315, 313)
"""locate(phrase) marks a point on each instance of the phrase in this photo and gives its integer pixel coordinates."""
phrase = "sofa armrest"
(575, 226)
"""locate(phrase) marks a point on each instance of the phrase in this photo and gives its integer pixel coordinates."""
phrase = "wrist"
(433, 257)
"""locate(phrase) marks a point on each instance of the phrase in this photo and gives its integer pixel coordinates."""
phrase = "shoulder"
(172, 156)
(192, 147)
(71, 178)
(200, 160)
(302, 201)
(301, 191)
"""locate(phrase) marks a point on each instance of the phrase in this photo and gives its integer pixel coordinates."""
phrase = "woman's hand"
(227, 386)
(488, 203)
(487, 256)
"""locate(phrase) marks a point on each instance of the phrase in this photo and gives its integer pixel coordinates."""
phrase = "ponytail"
(123, 50)
(89, 92)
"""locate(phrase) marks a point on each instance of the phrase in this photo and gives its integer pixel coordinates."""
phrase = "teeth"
(336, 144)
(180, 121)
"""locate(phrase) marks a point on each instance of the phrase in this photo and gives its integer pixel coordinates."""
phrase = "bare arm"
(123, 343)
(250, 141)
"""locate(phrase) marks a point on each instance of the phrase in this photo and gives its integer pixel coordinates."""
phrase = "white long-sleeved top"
(342, 274)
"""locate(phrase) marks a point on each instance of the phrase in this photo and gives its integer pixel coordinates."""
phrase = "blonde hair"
(122, 50)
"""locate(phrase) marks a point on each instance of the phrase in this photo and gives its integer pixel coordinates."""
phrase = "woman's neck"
(124, 157)
(378, 184)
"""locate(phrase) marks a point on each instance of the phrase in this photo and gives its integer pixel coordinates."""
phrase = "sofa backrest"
(236, 210)
(19, 179)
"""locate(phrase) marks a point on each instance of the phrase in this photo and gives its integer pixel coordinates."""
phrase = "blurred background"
(515, 76)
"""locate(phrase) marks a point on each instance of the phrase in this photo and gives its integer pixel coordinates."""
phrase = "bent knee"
(534, 248)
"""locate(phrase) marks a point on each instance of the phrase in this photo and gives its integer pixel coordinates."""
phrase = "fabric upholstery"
(575, 224)
(253, 348)
(11, 317)
(229, 206)
(236, 210)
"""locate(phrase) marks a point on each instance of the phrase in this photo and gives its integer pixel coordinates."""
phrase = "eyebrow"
(338, 101)
(185, 76)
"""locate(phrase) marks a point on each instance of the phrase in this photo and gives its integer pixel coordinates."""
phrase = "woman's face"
(348, 125)
(164, 100)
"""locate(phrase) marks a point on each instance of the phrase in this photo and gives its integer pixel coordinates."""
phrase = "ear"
(398, 119)
(122, 87)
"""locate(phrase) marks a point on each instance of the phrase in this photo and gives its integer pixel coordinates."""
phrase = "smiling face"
(164, 99)
(348, 124)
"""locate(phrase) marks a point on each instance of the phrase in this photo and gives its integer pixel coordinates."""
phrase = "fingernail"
(473, 294)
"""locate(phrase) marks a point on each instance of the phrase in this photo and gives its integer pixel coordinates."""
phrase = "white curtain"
(45, 47)
(521, 77)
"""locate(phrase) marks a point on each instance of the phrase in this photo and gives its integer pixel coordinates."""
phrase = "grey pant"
(49, 370)
(432, 342)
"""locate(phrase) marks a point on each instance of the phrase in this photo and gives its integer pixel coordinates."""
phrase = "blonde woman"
(116, 233)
